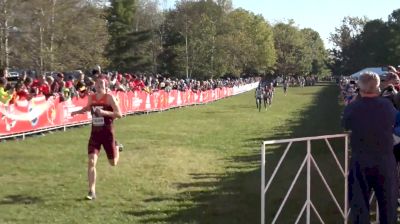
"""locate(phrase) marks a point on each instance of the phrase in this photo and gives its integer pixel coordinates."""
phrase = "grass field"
(199, 164)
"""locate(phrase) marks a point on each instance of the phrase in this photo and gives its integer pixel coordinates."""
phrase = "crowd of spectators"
(389, 87)
(81, 84)
(296, 80)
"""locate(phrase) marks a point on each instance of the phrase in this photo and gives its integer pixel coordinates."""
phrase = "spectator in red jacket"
(43, 87)
(137, 84)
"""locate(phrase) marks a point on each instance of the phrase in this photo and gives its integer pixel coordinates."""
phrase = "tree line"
(201, 39)
(360, 43)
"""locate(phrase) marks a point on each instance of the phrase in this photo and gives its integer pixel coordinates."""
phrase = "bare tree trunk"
(5, 33)
(137, 24)
(212, 56)
(137, 18)
(153, 47)
(41, 41)
(162, 27)
(54, 2)
(187, 48)
(6, 49)
(1, 48)
(41, 63)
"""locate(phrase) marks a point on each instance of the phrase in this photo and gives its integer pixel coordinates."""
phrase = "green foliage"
(191, 39)
(361, 43)
(201, 39)
(300, 52)
(120, 19)
(211, 41)
(315, 53)
(249, 40)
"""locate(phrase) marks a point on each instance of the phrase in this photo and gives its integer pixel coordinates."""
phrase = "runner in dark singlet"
(104, 110)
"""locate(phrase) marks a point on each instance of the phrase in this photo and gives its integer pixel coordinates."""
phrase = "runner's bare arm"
(84, 109)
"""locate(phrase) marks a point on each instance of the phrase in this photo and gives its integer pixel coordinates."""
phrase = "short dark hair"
(95, 72)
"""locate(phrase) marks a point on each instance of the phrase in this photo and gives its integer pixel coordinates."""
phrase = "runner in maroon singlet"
(104, 110)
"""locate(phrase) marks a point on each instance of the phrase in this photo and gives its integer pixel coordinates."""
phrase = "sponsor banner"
(39, 113)
(244, 88)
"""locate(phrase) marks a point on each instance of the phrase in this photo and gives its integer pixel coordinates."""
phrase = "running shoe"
(91, 196)
(120, 147)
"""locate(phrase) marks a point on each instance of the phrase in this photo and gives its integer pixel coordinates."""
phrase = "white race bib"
(98, 121)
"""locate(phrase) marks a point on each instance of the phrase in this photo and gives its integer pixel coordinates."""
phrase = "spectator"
(50, 82)
(56, 88)
(168, 87)
(350, 92)
(137, 84)
(370, 120)
(43, 87)
(28, 86)
(5, 96)
(90, 88)
(391, 78)
(23, 76)
(81, 89)
(22, 93)
(80, 79)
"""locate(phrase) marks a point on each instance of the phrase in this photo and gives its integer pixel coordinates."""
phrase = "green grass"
(199, 164)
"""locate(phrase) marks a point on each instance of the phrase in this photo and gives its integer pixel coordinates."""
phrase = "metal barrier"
(308, 160)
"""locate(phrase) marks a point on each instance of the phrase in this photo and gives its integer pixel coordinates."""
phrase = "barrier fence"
(40, 114)
(309, 161)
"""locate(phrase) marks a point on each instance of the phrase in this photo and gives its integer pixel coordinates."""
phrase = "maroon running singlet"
(102, 129)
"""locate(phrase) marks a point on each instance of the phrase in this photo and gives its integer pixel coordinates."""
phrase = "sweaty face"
(100, 86)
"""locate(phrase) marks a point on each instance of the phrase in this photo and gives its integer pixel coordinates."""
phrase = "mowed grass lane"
(199, 164)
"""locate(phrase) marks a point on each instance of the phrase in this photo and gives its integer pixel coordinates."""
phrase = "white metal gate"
(308, 161)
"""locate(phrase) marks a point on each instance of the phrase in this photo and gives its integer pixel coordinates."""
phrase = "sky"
(320, 15)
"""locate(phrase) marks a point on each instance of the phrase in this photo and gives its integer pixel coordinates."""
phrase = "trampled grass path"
(199, 164)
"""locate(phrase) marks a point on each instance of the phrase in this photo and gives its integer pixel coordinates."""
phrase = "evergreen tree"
(120, 18)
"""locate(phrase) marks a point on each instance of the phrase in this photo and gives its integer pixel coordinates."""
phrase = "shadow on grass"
(20, 199)
(235, 196)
